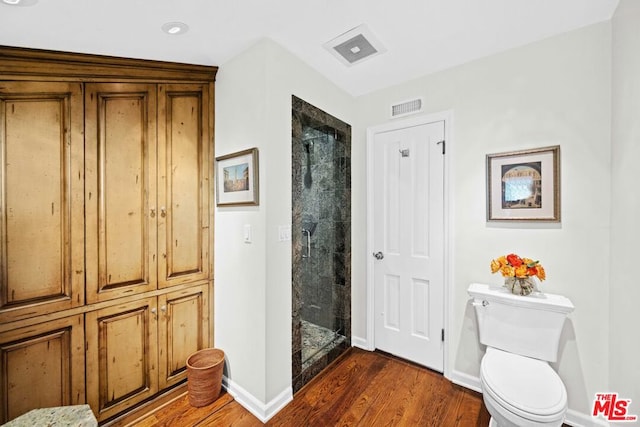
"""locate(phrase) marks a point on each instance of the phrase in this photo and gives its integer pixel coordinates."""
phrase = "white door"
(408, 220)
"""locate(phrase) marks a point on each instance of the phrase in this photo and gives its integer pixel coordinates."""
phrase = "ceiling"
(421, 36)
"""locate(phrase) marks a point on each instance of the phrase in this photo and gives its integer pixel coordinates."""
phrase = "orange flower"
(514, 260)
(495, 265)
(514, 266)
(522, 270)
(508, 271)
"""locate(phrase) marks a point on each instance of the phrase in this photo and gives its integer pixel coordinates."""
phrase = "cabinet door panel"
(121, 188)
(183, 193)
(42, 366)
(121, 356)
(183, 330)
(41, 192)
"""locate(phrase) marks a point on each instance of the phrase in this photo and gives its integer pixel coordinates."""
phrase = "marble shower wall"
(321, 200)
(324, 172)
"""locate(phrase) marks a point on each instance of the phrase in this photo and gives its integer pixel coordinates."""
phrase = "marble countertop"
(76, 416)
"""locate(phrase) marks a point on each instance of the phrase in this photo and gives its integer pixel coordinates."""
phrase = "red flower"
(514, 260)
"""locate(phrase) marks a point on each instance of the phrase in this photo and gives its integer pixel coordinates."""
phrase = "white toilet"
(522, 334)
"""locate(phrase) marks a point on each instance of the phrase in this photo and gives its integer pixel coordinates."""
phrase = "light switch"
(247, 233)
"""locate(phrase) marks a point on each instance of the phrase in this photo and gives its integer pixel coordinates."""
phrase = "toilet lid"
(528, 387)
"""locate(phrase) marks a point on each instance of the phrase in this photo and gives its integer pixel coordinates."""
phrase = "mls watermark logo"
(612, 408)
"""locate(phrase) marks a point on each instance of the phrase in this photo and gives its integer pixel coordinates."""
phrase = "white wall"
(553, 92)
(240, 268)
(557, 91)
(253, 281)
(625, 228)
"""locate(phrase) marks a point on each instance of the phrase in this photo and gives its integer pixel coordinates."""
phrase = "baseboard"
(361, 343)
(262, 411)
(465, 380)
(578, 419)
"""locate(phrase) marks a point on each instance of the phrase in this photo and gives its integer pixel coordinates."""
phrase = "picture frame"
(237, 179)
(524, 185)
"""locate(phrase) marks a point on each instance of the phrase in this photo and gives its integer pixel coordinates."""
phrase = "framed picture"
(524, 185)
(237, 179)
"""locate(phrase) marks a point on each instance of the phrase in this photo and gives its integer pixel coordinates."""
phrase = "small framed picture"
(524, 185)
(237, 179)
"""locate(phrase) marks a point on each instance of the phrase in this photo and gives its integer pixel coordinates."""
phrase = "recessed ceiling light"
(175, 28)
(20, 2)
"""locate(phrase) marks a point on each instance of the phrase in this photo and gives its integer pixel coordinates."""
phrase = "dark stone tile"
(339, 269)
(321, 284)
(327, 206)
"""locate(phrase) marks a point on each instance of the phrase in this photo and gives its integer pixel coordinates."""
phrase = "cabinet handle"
(163, 212)
(153, 213)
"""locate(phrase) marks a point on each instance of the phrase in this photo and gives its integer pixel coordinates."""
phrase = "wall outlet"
(284, 233)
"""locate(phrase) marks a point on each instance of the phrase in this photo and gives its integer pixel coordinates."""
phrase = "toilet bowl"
(522, 335)
(520, 391)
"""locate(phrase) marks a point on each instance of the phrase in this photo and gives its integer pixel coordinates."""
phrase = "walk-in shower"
(321, 239)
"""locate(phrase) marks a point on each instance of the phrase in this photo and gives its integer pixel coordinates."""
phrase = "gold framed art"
(237, 180)
(524, 185)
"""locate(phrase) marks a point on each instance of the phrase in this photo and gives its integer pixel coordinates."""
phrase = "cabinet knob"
(163, 308)
(153, 310)
(163, 212)
(153, 213)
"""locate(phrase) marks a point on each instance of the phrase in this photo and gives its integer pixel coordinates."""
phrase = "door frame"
(447, 118)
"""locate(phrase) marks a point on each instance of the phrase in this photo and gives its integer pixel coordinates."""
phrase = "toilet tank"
(526, 325)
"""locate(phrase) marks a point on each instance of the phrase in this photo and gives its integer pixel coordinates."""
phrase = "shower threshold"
(316, 342)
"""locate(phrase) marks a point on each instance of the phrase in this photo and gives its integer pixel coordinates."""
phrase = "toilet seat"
(529, 388)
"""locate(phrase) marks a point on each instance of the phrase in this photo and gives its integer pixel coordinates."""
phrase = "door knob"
(378, 255)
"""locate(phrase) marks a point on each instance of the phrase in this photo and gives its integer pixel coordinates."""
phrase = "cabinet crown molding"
(25, 63)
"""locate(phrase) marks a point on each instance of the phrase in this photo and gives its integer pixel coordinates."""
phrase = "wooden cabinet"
(42, 366)
(122, 356)
(137, 348)
(183, 328)
(184, 159)
(153, 231)
(120, 188)
(104, 228)
(41, 198)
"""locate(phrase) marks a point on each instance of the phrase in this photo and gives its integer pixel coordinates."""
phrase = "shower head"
(308, 145)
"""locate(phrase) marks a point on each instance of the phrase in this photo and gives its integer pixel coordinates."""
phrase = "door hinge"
(443, 145)
(442, 335)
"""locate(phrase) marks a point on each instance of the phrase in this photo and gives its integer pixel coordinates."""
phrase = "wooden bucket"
(204, 376)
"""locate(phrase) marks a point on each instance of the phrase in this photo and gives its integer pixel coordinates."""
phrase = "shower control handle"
(308, 234)
(378, 255)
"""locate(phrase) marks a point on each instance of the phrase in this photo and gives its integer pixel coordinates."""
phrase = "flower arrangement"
(513, 266)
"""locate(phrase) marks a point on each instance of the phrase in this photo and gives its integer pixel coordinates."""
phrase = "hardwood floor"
(360, 389)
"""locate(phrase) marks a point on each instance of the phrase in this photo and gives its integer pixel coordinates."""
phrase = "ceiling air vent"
(407, 107)
(355, 46)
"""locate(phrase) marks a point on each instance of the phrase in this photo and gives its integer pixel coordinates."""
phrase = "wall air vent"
(355, 46)
(406, 107)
